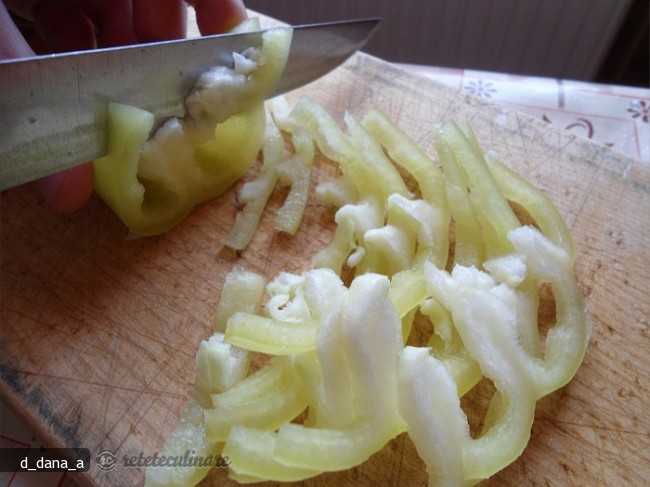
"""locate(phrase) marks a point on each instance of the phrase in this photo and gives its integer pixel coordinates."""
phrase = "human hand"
(48, 26)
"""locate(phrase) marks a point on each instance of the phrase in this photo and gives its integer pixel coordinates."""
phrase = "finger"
(69, 190)
(217, 16)
(12, 42)
(63, 26)
(159, 20)
(112, 19)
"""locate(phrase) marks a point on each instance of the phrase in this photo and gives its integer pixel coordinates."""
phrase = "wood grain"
(99, 331)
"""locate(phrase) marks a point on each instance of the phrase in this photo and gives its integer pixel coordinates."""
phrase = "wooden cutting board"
(99, 332)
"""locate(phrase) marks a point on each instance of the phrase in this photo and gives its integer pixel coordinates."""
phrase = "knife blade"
(53, 108)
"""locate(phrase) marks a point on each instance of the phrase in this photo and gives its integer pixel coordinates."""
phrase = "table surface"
(616, 116)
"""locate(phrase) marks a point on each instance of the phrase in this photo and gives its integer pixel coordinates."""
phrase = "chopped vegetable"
(293, 171)
(251, 450)
(152, 185)
(242, 291)
(266, 399)
(266, 335)
(217, 375)
(189, 435)
(254, 194)
(347, 369)
(219, 367)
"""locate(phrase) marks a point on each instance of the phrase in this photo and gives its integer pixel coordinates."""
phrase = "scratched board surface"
(99, 331)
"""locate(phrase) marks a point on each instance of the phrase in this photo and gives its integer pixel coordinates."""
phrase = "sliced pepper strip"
(266, 335)
(484, 316)
(250, 451)
(266, 399)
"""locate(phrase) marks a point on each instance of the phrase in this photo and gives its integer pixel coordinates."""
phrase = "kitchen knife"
(53, 108)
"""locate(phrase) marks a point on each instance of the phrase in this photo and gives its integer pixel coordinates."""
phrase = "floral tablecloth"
(617, 116)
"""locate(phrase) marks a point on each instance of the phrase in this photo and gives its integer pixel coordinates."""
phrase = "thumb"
(218, 16)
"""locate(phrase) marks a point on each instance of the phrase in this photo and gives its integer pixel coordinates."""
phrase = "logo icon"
(106, 460)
